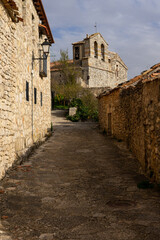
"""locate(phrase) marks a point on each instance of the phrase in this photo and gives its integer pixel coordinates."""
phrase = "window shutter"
(35, 95)
(27, 91)
(41, 99)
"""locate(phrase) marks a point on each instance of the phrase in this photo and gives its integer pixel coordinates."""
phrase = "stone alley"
(81, 185)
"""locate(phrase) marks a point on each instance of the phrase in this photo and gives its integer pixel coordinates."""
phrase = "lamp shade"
(46, 46)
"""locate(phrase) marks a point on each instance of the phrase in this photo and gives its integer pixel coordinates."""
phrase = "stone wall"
(132, 114)
(7, 91)
(21, 122)
(117, 69)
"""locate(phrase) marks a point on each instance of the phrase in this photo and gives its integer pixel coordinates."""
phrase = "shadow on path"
(79, 185)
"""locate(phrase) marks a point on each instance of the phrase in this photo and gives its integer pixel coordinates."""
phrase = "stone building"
(131, 112)
(100, 67)
(25, 101)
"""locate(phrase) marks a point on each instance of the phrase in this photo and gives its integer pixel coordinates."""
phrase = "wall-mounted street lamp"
(45, 48)
(43, 58)
(43, 70)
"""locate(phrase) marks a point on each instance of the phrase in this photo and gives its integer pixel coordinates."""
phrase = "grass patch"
(60, 107)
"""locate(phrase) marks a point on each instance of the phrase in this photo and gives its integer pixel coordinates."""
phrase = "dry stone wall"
(21, 122)
(133, 115)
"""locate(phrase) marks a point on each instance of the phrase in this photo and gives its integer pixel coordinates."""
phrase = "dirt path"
(79, 185)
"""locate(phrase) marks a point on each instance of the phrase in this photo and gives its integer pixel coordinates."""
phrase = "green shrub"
(83, 112)
(74, 118)
(58, 100)
(86, 108)
(51, 127)
(76, 102)
(94, 116)
(60, 107)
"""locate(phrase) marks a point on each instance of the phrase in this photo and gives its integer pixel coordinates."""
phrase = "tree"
(69, 88)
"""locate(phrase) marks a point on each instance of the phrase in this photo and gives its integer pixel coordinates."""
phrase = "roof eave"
(42, 15)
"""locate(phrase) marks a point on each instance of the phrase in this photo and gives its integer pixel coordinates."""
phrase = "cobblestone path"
(78, 186)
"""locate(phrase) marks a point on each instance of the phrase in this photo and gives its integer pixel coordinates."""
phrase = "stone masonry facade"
(131, 112)
(100, 67)
(25, 101)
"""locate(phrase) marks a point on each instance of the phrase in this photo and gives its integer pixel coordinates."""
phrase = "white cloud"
(130, 27)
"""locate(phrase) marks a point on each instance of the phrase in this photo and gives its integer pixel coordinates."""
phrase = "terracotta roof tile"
(42, 15)
(80, 42)
(155, 66)
(13, 11)
(54, 66)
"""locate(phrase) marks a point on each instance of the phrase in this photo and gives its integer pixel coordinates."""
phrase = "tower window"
(102, 52)
(95, 50)
(76, 53)
(117, 69)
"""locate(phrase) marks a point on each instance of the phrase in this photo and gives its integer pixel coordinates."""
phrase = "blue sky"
(131, 28)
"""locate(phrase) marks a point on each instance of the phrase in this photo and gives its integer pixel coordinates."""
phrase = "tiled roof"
(80, 42)
(146, 76)
(89, 36)
(42, 15)
(54, 66)
(13, 11)
(95, 34)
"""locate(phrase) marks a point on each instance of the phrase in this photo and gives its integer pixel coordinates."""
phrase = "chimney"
(86, 35)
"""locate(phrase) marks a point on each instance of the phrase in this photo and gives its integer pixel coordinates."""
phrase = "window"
(117, 70)
(27, 91)
(102, 52)
(76, 53)
(109, 60)
(33, 29)
(95, 50)
(33, 21)
(35, 95)
(41, 98)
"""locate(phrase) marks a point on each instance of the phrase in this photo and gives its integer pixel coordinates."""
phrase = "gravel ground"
(79, 185)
